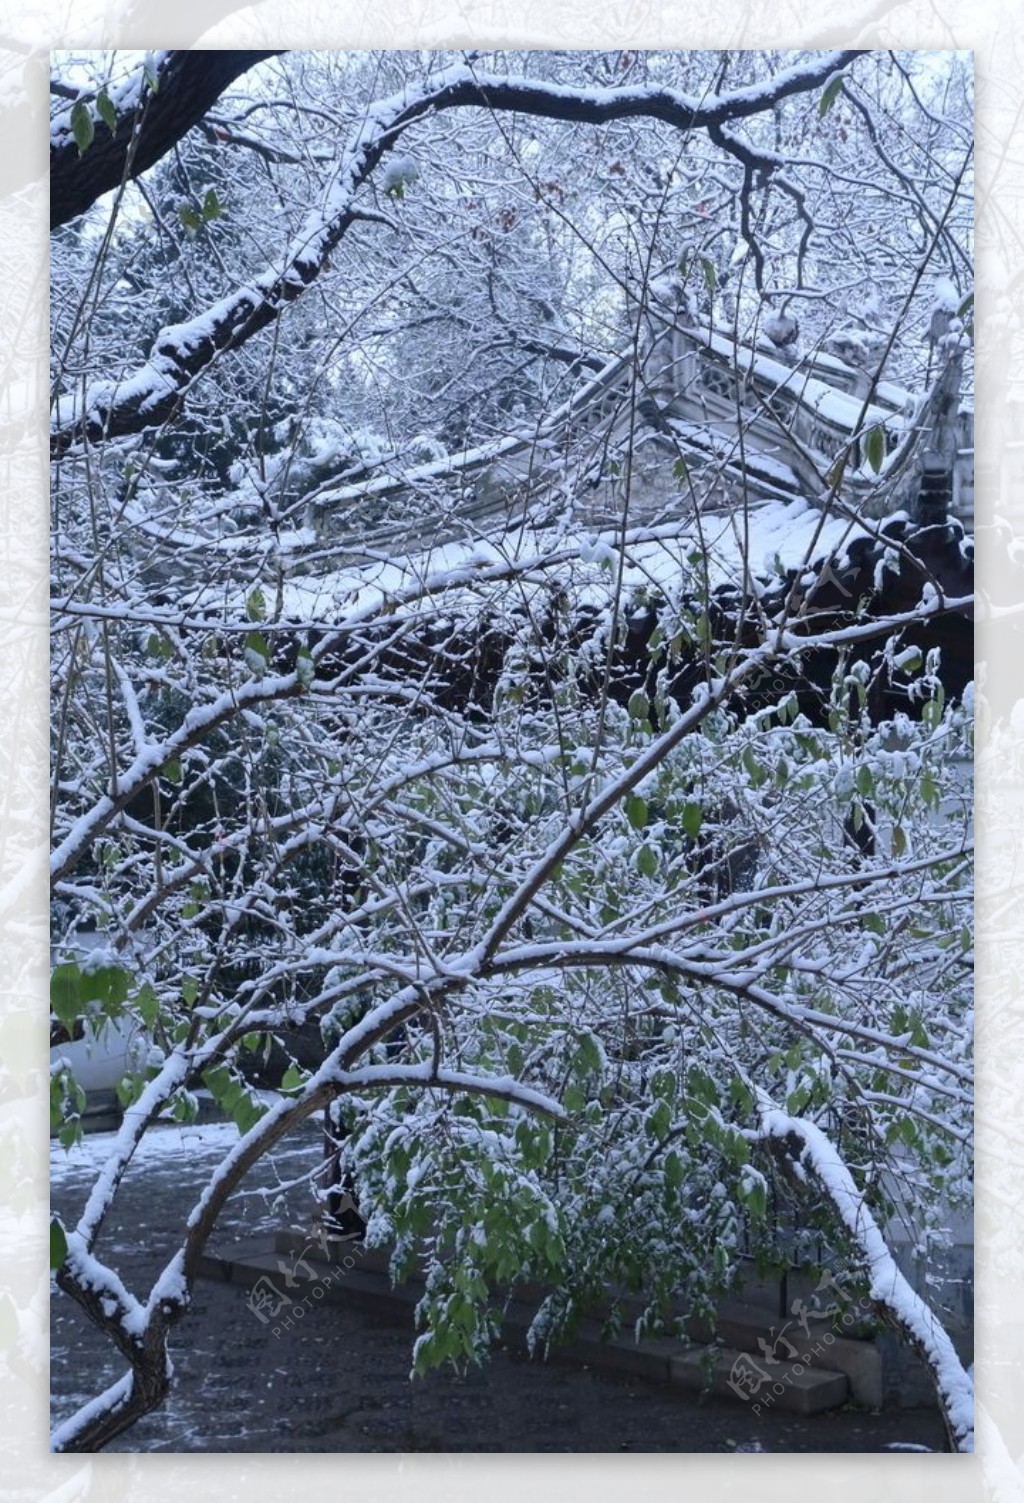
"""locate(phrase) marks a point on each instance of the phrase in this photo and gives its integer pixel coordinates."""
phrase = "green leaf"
(680, 471)
(172, 770)
(647, 860)
(108, 984)
(56, 1100)
(106, 110)
(66, 999)
(82, 126)
(573, 1099)
(185, 1107)
(218, 1081)
(152, 77)
(658, 1121)
(189, 218)
(673, 1169)
(664, 1085)
(830, 94)
(930, 789)
(537, 1236)
(874, 447)
(741, 1094)
(918, 1032)
(245, 1111)
(58, 1243)
(534, 1144)
(256, 652)
(639, 705)
(212, 208)
(754, 769)
(902, 1129)
(693, 818)
(71, 989)
(636, 811)
(700, 1087)
(710, 274)
(129, 1088)
(865, 781)
(256, 606)
(755, 1196)
(834, 478)
(736, 1147)
(293, 1079)
(588, 1057)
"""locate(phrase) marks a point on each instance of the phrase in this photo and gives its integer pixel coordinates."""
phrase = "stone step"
(818, 1344)
(790, 1386)
(826, 1345)
(256, 1264)
(282, 1296)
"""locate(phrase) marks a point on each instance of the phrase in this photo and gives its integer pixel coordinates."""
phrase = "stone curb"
(298, 1283)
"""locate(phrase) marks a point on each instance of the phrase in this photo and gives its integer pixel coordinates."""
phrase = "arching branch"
(188, 83)
(149, 396)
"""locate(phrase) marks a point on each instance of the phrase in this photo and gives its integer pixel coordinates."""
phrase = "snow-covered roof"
(748, 548)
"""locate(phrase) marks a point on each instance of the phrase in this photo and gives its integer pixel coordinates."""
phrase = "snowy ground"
(339, 1381)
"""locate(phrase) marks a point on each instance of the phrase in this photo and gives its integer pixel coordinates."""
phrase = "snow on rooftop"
(760, 543)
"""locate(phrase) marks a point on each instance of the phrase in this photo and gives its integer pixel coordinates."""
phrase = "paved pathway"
(339, 1380)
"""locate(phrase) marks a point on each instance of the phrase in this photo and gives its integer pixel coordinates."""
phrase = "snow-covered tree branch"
(182, 351)
(511, 670)
(807, 1150)
(100, 140)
